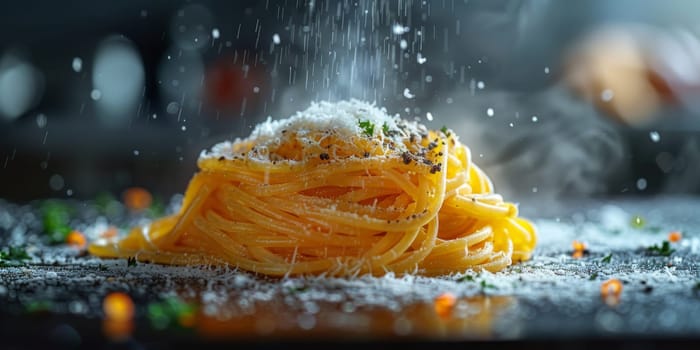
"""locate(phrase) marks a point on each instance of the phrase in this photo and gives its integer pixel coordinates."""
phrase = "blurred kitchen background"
(555, 98)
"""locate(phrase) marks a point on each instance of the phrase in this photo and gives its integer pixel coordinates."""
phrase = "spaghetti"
(341, 189)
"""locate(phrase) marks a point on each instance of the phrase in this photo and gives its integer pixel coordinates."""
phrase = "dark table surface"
(56, 298)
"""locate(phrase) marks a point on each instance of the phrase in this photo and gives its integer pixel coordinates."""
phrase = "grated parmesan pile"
(343, 120)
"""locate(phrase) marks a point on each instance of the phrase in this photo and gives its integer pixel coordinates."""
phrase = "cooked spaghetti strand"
(341, 189)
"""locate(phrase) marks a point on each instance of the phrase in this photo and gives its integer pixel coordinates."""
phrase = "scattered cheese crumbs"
(444, 303)
(675, 236)
(307, 130)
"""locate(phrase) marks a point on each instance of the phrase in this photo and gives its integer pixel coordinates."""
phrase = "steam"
(546, 145)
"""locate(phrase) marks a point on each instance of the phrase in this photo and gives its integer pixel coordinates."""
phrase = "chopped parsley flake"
(637, 222)
(606, 259)
(367, 127)
(38, 306)
(295, 290)
(385, 128)
(445, 131)
(14, 254)
(56, 219)
(664, 250)
(485, 285)
(171, 312)
(157, 208)
(467, 278)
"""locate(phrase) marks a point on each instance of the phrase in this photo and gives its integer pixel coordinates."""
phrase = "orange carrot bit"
(118, 306)
(117, 330)
(110, 232)
(579, 246)
(444, 303)
(610, 291)
(76, 239)
(675, 236)
(612, 286)
(577, 254)
(137, 198)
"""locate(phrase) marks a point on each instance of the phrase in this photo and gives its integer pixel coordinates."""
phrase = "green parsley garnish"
(171, 312)
(385, 128)
(103, 201)
(607, 258)
(637, 222)
(367, 127)
(295, 290)
(593, 276)
(38, 306)
(131, 261)
(696, 287)
(55, 217)
(445, 130)
(467, 278)
(14, 254)
(157, 208)
(664, 250)
(485, 285)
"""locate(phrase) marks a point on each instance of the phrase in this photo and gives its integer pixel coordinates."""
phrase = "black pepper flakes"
(366, 154)
(435, 168)
(324, 156)
(221, 158)
(407, 157)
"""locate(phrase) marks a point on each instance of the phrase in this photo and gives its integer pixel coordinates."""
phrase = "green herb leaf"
(131, 261)
(606, 259)
(485, 285)
(157, 208)
(367, 127)
(467, 278)
(664, 250)
(56, 217)
(103, 201)
(170, 312)
(295, 290)
(696, 287)
(445, 131)
(385, 129)
(637, 222)
(593, 276)
(14, 254)
(38, 306)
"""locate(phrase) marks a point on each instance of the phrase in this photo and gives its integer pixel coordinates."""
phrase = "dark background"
(100, 96)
